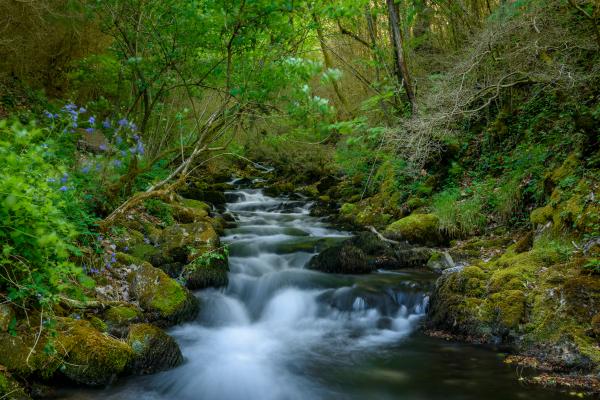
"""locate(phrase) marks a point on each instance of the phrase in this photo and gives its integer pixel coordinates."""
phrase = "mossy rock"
(439, 261)
(415, 203)
(92, 357)
(348, 209)
(196, 204)
(118, 318)
(98, 323)
(195, 235)
(143, 251)
(417, 229)
(165, 301)
(507, 309)
(20, 356)
(208, 270)
(568, 168)
(185, 215)
(582, 296)
(153, 350)
(10, 389)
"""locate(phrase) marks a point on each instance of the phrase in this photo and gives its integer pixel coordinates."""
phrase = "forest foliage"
(464, 105)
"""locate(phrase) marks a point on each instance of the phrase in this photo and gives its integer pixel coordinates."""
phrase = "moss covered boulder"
(209, 269)
(91, 357)
(153, 350)
(24, 355)
(417, 229)
(164, 300)
(540, 300)
(366, 253)
(118, 318)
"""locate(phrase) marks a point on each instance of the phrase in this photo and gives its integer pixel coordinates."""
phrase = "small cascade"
(280, 331)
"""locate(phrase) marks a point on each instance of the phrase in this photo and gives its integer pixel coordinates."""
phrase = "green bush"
(36, 238)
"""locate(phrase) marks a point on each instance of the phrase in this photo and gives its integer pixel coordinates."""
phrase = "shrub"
(36, 238)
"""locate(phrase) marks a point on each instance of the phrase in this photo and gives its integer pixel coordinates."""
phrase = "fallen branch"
(381, 237)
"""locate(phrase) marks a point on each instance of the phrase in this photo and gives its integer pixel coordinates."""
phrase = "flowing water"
(280, 331)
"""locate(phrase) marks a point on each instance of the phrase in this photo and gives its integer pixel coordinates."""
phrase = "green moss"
(161, 295)
(18, 354)
(507, 308)
(196, 204)
(414, 203)
(98, 324)
(92, 358)
(416, 228)
(120, 315)
(143, 251)
(128, 259)
(568, 168)
(153, 349)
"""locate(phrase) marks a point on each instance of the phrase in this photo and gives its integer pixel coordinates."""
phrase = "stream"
(280, 331)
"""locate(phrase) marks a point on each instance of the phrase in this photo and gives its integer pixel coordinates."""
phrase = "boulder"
(24, 356)
(91, 357)
(153, 350)
(208, 270)
(440, 261)
(118, 318)
(365, 253)
(417, 229)
(165, 301)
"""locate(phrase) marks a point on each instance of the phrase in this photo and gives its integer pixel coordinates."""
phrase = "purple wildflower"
(103, 147)
(64, 178)
(63, 189)
(89, 130)
(70, 107)
(133, 126)
(132, 150)
(106, 124)
(48, 114)
(136, 137)
(92, 120)
(85, 169)
(82, 110)
(140, 148)
(122, 122)
(50, 180)
(117, 163)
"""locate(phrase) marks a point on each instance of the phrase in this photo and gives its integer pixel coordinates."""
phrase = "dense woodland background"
(476, 111)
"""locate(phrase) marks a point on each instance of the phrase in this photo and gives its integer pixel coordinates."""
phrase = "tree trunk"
(401, 67)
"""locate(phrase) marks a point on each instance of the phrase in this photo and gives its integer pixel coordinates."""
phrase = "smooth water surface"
(280, 331)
